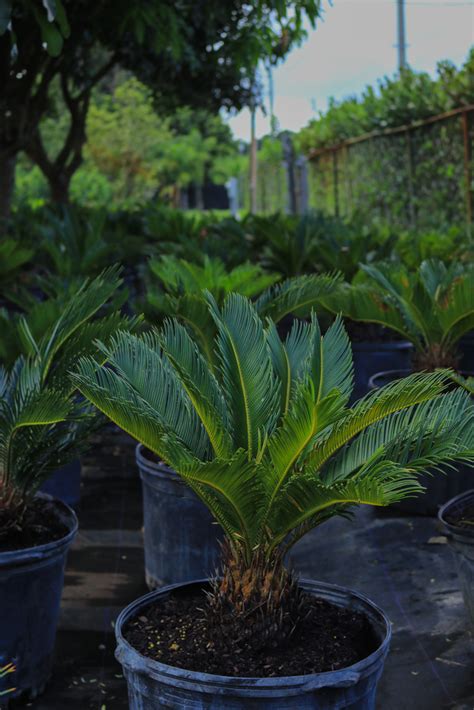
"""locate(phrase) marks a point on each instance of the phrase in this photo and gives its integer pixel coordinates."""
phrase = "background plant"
(431, 307)
(43, 424)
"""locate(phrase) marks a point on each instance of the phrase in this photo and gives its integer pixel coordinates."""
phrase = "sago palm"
(183, 287)
(266, 439)
(43, 422)
(432, 307)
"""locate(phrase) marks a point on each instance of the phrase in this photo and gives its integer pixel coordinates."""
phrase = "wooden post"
(467, 170)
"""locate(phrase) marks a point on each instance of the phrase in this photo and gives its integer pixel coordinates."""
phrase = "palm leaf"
(298, 296)
(200, 385)
(375, 406)
(248, 380)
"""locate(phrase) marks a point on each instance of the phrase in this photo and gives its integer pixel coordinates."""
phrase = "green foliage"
(316, 242)
(13, 258)
(407, 97)
(266, 438)
(182, 292)
(43, 424)
(432, 307)
(415, 247)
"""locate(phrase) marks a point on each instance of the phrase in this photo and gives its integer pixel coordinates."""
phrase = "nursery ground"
(403, 564)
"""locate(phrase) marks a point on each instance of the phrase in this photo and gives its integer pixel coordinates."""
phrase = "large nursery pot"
(372, 357)
(65, 484)
(153, 685)
(180, 535)
(461, 540)
(31, 582)
(439, 486)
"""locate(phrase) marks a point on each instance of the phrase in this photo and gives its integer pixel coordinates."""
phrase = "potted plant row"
(266, 440)
(44, 425)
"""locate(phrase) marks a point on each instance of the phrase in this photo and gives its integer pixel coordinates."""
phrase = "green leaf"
(248, 380)
(200, 385)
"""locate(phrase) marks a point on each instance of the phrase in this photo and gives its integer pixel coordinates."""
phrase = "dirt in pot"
(461, 517)
(38, 524)
(173, 631)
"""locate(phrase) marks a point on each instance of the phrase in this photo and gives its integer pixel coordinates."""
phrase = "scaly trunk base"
(435, 356)
(258, 604)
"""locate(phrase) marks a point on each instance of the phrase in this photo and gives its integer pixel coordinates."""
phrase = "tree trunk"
(59, 188)
(7, 184)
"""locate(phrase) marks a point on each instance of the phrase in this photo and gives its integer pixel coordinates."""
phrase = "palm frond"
(121, 403)
(200, 385)
(291, 359)
(298, 295)
(248, 380)
(331, 361)
(305, 497)
(375, 406)
(148, 374)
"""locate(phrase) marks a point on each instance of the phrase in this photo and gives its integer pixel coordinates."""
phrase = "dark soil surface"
(39, 525)
(462, 518)
(174, 632)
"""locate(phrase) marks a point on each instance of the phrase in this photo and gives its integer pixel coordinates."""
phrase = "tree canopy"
(203, 54)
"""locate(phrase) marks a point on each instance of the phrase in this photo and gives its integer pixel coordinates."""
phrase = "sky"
(354, 45)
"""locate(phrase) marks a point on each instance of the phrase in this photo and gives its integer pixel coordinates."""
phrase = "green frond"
(80, 308)
(289, 442)
(121, 403)
(331, 360)
(366, 304)
(290, 359)
(375, 406)
(299, 295)
(237, 486)
(200, 385)
(141, 365)
(248, 380)
(400, 435)
(305, 497)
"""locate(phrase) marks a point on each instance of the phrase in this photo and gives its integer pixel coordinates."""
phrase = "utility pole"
(402, 46)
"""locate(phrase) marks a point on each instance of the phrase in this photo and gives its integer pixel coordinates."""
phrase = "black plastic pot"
(153, 685)
(65, 484)
(439, 486)
(181, 537)
(372, 357)
(31, 583)
(461, 541)
(466, 349)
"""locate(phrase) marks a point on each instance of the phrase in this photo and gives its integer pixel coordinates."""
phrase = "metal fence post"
(335, 179)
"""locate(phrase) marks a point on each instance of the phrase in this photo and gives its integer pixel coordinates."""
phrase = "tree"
(198, 53)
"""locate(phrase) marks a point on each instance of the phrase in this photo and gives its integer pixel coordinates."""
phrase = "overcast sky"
(354, 45)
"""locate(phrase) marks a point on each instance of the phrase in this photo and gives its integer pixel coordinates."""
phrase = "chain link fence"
(417, 177)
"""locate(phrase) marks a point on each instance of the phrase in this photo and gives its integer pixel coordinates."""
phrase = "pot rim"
(382, 345)
(167, 673)
(456, 530)
(40, 552)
